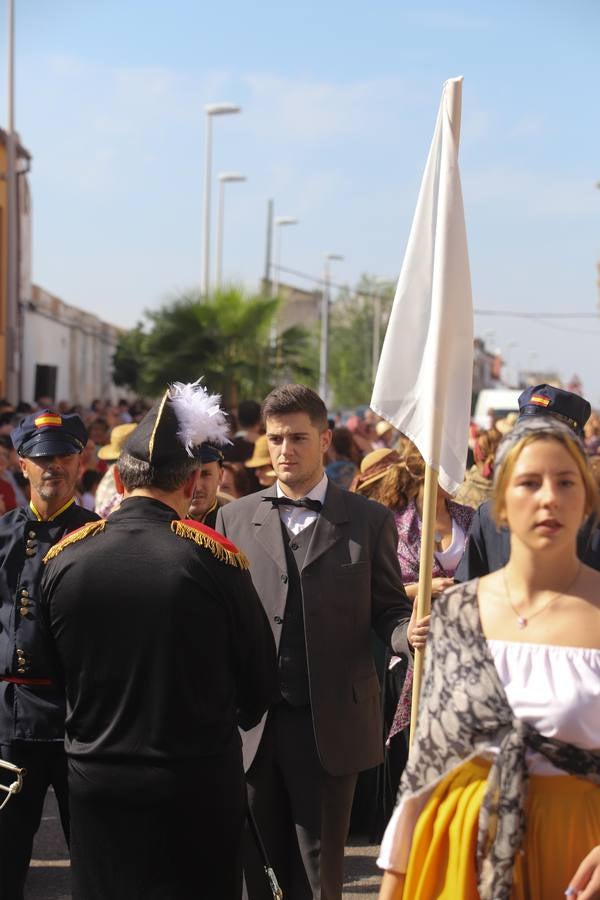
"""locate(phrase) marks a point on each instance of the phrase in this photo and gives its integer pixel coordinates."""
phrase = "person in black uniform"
(488, 547)
(164, 648)
(207, 500)
(32, 707)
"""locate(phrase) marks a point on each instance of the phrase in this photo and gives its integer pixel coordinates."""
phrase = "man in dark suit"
(325, 566)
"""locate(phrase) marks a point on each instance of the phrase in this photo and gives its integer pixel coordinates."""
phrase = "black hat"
(47, 433)
(208, 453)
(545, 400)
(186, 419)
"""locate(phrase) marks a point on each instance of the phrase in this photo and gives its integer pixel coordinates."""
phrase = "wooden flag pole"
(425, 579)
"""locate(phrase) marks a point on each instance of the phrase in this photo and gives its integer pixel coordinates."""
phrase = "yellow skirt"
(563, 825)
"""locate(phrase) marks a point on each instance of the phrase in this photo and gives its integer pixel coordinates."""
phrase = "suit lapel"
(328, 528)
(267, 525)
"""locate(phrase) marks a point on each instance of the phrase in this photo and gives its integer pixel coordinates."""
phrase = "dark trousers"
(301, 811)
(46, 765)
(170, 832)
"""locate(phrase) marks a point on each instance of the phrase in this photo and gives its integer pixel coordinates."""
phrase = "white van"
(501, 400)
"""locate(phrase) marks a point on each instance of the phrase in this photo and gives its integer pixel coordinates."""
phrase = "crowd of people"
(259, 570)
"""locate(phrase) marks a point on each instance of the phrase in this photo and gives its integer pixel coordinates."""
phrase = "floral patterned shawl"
(463, 711)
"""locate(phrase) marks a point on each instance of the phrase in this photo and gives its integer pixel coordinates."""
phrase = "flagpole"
(430, 491)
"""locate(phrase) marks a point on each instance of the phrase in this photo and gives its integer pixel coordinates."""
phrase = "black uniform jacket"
(35, 711)
(164, 646)
(488, 547)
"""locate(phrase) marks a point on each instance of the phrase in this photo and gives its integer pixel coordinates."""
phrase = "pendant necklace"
(522, 621)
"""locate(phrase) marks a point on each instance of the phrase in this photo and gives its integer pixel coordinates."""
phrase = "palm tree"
(224, 338)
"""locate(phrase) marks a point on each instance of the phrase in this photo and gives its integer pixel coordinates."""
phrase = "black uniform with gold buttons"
(32, 705)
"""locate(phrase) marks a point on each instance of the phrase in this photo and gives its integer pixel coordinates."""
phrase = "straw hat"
(260, 454)
(118, 436)
(375, 465)
(383, 427)
(504, 425)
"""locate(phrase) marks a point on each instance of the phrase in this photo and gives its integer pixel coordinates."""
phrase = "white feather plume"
(199, 415)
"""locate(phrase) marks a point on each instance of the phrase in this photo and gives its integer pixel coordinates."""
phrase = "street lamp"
(213, 109)
(380, 283)
(324, 348)
(224, 178)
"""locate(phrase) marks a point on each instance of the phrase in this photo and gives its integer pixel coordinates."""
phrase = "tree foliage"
(225, 338)
(351, 343)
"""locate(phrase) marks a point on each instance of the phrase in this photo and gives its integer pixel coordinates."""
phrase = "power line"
(538, 316)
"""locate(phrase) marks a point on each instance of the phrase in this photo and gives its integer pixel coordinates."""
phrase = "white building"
(66, 352)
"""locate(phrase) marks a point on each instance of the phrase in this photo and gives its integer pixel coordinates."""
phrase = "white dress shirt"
(297, 518)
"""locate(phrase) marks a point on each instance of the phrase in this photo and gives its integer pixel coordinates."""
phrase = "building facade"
(67, 353)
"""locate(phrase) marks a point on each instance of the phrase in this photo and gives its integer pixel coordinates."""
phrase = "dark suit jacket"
(350, 582)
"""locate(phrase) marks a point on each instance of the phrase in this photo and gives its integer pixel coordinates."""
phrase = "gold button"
(24, 593)
(32, 534)
(30, 552)
(20, 651)
(31, 544)
(23, 610)
(20, 654)
(20, 671)
(25, 601)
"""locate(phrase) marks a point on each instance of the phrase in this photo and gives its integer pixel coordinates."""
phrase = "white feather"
(199, 415)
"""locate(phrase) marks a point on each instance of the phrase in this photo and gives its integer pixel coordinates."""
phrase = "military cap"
(48, 433)
(209, 453)
(178, 425)
(545, 400)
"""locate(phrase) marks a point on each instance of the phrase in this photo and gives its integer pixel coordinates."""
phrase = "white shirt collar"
(316, 493)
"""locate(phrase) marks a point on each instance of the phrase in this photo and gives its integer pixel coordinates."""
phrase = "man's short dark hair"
(294, 398)
(136, 473)
(248, 413)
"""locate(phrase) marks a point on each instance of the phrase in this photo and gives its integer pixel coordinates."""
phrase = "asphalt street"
(49, 874)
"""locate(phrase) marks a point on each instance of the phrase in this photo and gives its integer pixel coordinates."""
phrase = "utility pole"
(267, 277)
(12, 262)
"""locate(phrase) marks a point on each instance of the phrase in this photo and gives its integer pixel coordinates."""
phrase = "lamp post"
(224, 178)
(380, 283)
(213, 109)
(324, 343)
(12, 269)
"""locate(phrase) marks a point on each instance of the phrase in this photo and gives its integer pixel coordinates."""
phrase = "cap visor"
(49, 447)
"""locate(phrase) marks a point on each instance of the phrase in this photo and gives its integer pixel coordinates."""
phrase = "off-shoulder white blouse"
(554, 689)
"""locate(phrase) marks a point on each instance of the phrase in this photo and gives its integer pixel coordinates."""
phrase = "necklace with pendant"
(523, 621)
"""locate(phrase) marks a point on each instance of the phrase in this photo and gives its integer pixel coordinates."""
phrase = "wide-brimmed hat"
(374, 466)
(383, 427)
(260, 454)
(118, 436)
(504, 425)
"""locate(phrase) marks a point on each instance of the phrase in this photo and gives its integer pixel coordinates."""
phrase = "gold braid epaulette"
(219, 546)
(74, 536)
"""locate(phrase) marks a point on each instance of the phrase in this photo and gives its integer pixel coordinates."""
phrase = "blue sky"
(339, 103)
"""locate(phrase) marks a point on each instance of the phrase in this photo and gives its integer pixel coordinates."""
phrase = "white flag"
(424, 378)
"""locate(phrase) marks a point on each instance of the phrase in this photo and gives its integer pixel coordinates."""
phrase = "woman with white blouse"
(501, 796)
